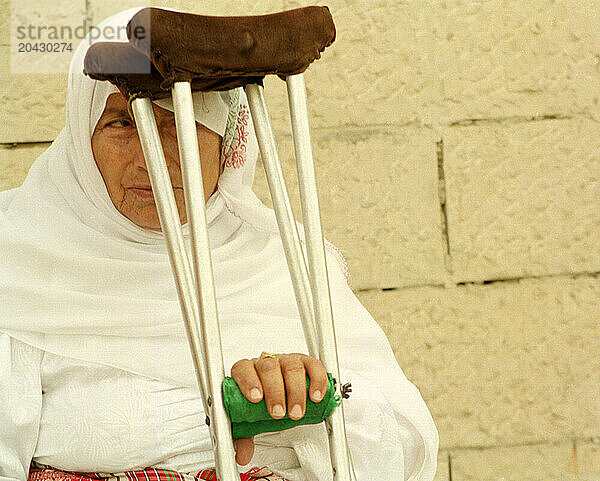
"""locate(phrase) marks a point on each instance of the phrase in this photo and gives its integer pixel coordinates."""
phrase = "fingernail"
(255, 394)
(278, 410)
(296, 412)
(317, 395)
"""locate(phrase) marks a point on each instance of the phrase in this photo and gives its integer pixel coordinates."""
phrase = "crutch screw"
(346, 390)
(207, 421)
(209, 401)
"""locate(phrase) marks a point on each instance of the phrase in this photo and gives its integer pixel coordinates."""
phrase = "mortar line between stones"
(15, 145)
(442, 195)
(449, 467)
(574, 457)
(574, 275)
(515, 119)
(547, 442)
(88, 11)
(386, 289)
(479, 283)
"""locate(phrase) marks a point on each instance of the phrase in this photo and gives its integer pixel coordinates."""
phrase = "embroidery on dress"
(236, 154)
(40, 472)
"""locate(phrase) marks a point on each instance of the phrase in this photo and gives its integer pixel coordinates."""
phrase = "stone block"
(587, 459)
(522, 199)
(31, 98)
(15, 163)
(30, 112)
(4, 22)
(438, 62)
(442, 473)
(43, 39)
(503, 363)
(519, 463)
(379, 203)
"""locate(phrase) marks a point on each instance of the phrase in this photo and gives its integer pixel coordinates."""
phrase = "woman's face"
(118, 155)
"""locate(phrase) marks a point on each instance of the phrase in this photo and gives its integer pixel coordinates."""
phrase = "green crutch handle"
(249, 419)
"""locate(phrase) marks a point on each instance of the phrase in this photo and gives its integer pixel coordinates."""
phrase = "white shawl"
(80, 280)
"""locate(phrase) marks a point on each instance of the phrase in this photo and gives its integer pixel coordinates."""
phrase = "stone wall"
(457, 144)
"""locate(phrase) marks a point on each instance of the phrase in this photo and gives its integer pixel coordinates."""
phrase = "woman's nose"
(138, 154)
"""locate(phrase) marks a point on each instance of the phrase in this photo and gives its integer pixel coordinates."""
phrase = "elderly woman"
(95, 372)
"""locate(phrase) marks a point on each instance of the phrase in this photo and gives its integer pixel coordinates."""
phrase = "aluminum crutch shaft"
(168, 215)
(210, 340)
(319, 280)
(285, 216)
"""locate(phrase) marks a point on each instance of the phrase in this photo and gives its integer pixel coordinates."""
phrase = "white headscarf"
(80, 280)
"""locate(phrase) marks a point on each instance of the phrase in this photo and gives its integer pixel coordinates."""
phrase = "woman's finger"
(269, 373)
(246, 377)
(294, 376)
(318, 378)
(244, 450)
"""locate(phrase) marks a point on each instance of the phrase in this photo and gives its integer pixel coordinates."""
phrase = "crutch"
(209, 333)
(318, 281)
(195, 287)
(213, 365)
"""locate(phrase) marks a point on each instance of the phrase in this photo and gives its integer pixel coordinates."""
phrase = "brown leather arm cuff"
(122, 65)
(218, 53)
(134, 74)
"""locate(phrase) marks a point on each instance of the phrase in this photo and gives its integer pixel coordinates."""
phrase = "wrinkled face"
(118, 155)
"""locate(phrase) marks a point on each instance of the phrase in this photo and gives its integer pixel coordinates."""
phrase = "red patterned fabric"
(235, 157)
(45, 473)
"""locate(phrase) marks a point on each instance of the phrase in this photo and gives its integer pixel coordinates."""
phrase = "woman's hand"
(277, 377)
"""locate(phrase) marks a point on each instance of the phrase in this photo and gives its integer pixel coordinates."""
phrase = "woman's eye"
(121, 123)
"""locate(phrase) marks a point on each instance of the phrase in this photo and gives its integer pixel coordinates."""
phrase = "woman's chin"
(144, 219)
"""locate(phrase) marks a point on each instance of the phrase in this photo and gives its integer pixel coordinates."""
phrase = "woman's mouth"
(143, 191)
(146, 192)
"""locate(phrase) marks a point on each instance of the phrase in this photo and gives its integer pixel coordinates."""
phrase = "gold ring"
(267, 355)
